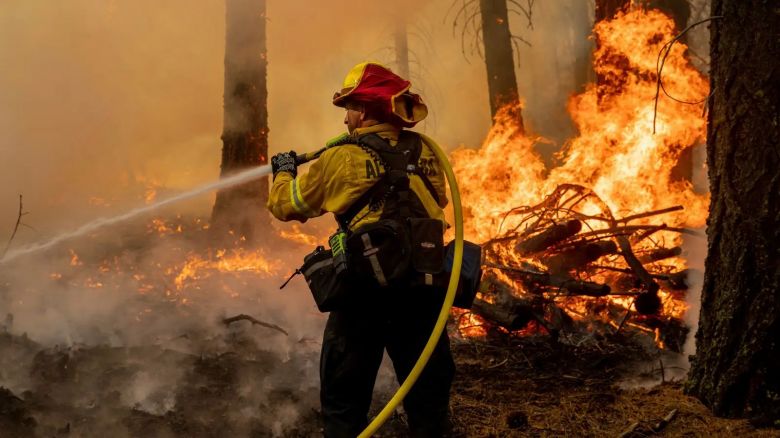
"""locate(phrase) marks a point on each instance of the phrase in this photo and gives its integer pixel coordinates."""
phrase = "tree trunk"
(499, 59)
(606, 9)
(402, 48)
(678, 10)
(735, 369)
(245, 128)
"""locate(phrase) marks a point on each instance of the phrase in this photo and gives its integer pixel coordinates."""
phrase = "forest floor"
(504, 387)
(154, 367)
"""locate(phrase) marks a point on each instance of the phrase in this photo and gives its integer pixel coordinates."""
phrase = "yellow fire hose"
(441, 322)
(380, 419)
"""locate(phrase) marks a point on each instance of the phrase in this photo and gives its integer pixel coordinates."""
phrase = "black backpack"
(405, 246)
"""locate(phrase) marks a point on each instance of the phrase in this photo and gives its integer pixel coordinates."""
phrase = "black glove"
(284, 162)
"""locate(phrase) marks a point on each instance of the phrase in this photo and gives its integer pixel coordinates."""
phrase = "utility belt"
(385, 256)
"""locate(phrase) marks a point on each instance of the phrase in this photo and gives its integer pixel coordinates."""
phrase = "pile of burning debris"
(559, 265)
(597, 246)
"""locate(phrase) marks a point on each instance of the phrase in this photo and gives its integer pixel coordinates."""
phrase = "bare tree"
(488, 22)
(401, 37)
(606, 9)
(735, 369)
(245, 129)
(678, 10)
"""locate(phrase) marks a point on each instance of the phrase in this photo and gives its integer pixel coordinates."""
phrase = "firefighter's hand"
(284, 162)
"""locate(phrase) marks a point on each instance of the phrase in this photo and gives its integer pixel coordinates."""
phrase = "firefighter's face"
(354, 117)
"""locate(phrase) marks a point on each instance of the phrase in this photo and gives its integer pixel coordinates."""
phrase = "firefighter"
(398, 318)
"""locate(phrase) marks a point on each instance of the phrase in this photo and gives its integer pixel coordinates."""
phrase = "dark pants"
(352, 349)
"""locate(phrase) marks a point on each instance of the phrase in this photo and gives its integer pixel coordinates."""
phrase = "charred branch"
(254, 321)
(513, 316)
(651, 213)
(549, 237)
(570, 285)
(579, 256)
(636, 265)
(660, 254)
(16, 227)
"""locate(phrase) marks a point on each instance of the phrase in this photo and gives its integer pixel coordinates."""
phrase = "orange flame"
(616, 154)
(224, 261)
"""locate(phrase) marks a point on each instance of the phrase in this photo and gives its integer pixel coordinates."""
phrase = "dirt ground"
(504, 387)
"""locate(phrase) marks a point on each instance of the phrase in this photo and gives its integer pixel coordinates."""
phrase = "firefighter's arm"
(284, 201)
(328, 186)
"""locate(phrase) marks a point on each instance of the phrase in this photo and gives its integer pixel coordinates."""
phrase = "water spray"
(233, 180)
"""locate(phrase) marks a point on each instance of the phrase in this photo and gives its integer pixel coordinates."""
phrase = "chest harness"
(391, 190)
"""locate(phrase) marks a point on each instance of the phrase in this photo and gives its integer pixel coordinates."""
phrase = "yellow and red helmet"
(373, 83)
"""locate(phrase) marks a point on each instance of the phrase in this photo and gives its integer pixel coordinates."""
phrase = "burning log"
(589, 288)
(571, 285)
(660, 254)
(579, 255)
(512, 316)
(549, 237)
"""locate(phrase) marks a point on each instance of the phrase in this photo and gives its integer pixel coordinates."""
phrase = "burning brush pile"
(597, 239)
(557, 265)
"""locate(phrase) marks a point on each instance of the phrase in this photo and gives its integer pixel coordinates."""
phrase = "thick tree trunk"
(499, 59)
(402, 48)
(735, 369)
(245, 131)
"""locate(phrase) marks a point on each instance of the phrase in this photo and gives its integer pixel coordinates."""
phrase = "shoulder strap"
(414, 159)
(397, 162)
(407, 141)
(378, 147)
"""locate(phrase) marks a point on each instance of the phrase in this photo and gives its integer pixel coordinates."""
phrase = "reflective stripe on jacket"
(342, 174)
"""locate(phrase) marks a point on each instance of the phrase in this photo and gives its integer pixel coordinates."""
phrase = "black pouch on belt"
(427, 242)
(330, 288)
(379, 253)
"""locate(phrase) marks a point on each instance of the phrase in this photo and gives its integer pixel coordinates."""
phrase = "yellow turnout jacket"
(343, 173)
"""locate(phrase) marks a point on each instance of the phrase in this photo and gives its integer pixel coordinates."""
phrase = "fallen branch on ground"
(254, 321)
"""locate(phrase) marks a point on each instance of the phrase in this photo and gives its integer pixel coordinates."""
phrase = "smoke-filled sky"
(100, 98)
